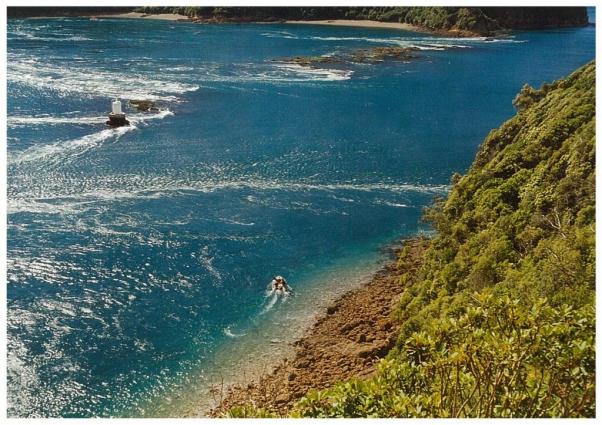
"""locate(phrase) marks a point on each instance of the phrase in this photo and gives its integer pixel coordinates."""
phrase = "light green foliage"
(496, 359)
(249, 412)
(499, 320)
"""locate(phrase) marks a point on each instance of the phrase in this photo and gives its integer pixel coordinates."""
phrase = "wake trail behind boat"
(73, 148)
(272, 299)
(67, 149)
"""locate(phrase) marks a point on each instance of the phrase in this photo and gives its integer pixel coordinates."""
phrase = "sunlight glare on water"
(136, 254)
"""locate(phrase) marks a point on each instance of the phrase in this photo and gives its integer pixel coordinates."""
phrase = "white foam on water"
(236, 222)
(28, 394)
(80, 145)
(45, 269)
(391, 204)
(272, 299)
(17, 205)
(177, 69)
(295, 72)
(229, 333)
(80, 201)
(280, 34)
(69, 147)
(22, 382)
(276, 73)
(19, 121)
(93, 82)
(27, 35)
(431, 48)
(206, 260)
(422, 43)
(140, 118)
(268, 336)
(426, 43)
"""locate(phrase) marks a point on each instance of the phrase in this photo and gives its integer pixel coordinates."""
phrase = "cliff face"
(499, 320)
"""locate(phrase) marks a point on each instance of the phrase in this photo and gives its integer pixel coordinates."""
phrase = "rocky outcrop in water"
(144, 105)
(311, 60)
(379, 54)
(372, 55)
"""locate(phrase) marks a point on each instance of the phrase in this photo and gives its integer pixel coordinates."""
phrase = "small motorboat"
(280, 286)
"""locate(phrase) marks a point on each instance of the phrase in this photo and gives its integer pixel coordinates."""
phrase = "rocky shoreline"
(347, 342)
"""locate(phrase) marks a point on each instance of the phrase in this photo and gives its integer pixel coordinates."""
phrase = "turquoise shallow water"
(134, 255)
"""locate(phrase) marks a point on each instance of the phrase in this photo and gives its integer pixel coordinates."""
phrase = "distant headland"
(458, 21)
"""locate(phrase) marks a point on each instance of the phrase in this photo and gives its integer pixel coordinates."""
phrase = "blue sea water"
(136, 255)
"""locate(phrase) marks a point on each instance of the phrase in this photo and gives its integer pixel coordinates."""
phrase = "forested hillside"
(483, 20)
(463, 20)
(500, 321)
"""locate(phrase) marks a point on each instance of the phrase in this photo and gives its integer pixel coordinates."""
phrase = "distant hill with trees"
(475, 20)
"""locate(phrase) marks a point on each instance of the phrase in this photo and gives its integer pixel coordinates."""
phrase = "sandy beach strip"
(362, 23)
(388, 25)
(139, 15)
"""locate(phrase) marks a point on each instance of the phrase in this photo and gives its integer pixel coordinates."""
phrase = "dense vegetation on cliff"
(473, 19)
(500, 321)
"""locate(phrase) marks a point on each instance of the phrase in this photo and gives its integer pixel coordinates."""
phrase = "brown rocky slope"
(346, 342)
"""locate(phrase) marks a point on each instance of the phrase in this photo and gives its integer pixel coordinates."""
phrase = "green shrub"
(499, 320)
(500, 358)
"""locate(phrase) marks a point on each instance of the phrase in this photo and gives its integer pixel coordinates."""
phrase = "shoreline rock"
(346, 342)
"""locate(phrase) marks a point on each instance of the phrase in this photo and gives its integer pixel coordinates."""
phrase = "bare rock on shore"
(347, 342)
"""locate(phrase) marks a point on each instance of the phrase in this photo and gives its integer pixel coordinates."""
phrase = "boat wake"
(22, 121)
(273, 298)
(271, 302)
(70, 149)
(229, 333)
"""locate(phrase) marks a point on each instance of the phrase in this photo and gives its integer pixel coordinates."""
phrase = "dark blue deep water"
(134, 253)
